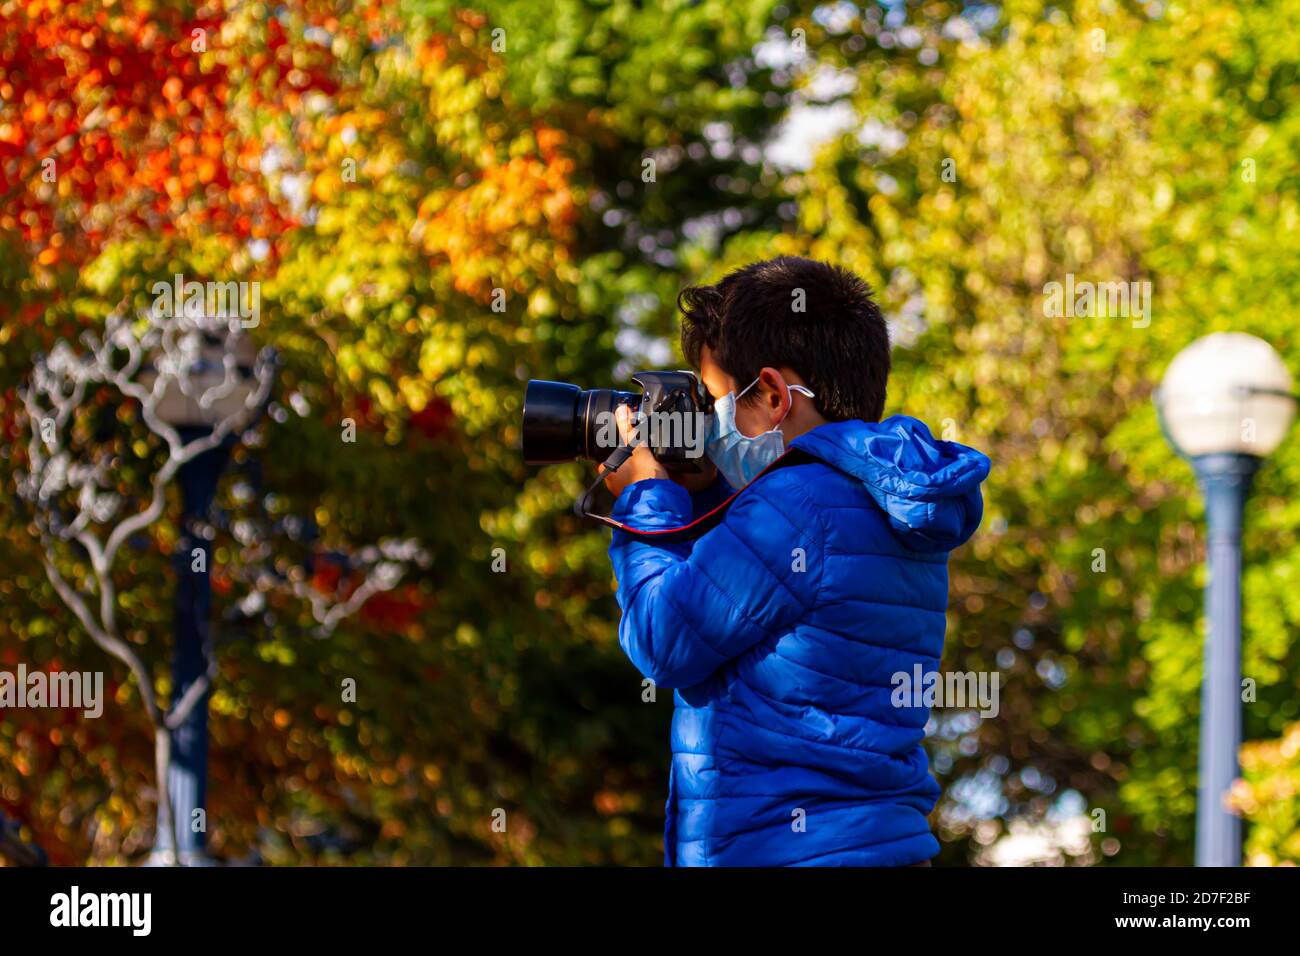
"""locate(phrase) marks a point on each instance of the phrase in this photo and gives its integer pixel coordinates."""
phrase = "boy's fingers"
(621, 419)
(623, 416)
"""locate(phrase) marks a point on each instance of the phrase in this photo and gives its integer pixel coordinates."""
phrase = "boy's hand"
(640, 466)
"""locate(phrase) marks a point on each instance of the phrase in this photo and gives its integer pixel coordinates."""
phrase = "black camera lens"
(562, 422)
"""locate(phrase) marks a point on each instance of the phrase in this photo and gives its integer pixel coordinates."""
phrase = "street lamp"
(199, 384)
(209, 377)
(1225, 404)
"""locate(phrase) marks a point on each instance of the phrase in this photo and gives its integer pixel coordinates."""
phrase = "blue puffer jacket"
(781, 629)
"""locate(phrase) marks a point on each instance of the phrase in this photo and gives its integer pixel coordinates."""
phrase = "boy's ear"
(776, 397)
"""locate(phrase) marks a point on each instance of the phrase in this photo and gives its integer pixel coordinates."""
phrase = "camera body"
(676, 439)
(562, 422)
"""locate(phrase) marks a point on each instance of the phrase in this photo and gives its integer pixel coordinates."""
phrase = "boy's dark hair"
(839, 343)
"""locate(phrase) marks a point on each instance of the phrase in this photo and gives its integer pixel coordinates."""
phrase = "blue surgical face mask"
(740, 457)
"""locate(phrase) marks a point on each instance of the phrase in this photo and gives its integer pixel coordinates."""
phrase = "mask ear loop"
(802, 390)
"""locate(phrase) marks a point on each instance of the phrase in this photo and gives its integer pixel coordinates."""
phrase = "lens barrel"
(595, 424)
(562, 422)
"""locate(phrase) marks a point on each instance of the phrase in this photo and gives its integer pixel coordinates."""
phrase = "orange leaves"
(519, 217)
(114, 119)
(504, 212)
(172, 89)
(472, 18)
(549, 141)
(36, 112)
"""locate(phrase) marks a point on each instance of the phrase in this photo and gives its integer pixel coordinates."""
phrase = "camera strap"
(701, 525)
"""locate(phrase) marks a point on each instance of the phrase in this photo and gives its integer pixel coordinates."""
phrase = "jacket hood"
(930, 489)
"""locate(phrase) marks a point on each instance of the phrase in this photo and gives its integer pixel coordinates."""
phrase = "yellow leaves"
(482, 354)
(276, 653)
(542, 303)
(326, 185)
(1270, 796)
(383, 395)
(442, 353)
(519, 218)
(414, 392)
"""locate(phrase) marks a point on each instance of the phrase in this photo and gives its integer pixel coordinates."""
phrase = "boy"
(781, 628)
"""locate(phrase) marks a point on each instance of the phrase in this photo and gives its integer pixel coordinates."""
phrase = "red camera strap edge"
(710, 519)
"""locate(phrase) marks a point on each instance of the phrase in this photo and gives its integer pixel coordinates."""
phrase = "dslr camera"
(563, 422)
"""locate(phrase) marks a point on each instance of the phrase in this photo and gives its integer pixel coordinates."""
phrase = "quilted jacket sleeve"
(689, 610)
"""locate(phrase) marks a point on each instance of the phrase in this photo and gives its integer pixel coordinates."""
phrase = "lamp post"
(198, 384)
(187, 403)
(1225, 404)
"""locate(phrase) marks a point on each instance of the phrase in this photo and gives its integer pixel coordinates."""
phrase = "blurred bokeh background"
(380, 168)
